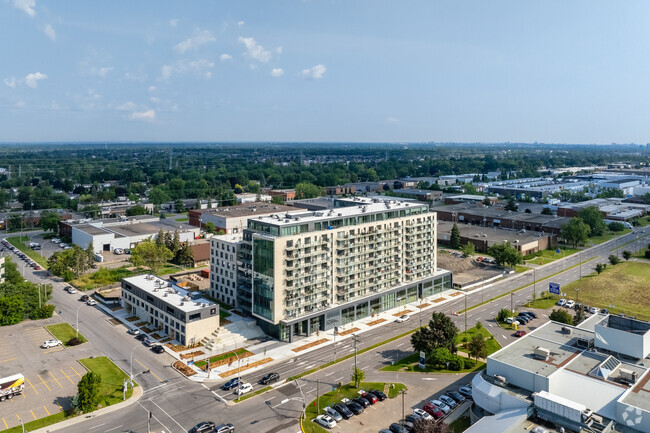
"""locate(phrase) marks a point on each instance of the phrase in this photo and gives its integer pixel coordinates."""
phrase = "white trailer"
(11, 385)
(562, 407)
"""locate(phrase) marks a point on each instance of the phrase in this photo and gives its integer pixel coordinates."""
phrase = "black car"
(523, 319)
(270, 378)
(356, 408)
(224, 428)
(84, 298)
(232, 383)
(456, 396)
(531, 314)
(361, 401)
(141, 337)
(397, 428)
(410, 418)
(203, 427)
(380, 395)
(157, 348)
(343, 410)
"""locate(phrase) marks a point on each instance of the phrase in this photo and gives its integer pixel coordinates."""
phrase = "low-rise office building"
(419, 194)
(233, 219)
(179, 313)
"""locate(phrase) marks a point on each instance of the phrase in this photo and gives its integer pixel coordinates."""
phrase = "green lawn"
(461, 424)
(640, 254)
(112, 379)
(606, 236)
(103, 277)
(410, 364)
(491, 343)
(17, 241)
(519, 269)
(625, 286)
(64, 332)
(545, 302)
(182, 219)
(39, 423)
(644, 221)
(222, 356)
(334, 396)
(547, 256)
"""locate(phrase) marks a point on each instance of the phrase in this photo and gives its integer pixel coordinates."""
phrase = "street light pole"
(78, 319)
(402, 420)
(355, 339)
(465, 314)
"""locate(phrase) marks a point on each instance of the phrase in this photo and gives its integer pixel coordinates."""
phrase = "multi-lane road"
(177, 404)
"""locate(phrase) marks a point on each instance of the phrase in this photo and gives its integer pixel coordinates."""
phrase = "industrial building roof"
(491, 234)
(244, 210)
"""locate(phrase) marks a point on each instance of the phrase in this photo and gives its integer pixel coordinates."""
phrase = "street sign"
(554, 288)
(557, 251)
(422, 360)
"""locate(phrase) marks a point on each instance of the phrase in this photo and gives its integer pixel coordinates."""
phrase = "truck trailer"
(11, 385)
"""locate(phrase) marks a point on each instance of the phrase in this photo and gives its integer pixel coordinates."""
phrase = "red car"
(372, 399)
(520, 333)
(433, 411)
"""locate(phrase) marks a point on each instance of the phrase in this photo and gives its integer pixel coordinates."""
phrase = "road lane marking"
(329, 374)
(30, 384)
(48, 412)
(504, 337)
(310, 366)
(76, 371)
(57, 381)
(152, 373)
(218, 396)
(269, 399)
(311, 390)
(366, 367)
(97, 426)
(7, 360)
(114, 428)
(33, 414)
(336, 380)
(70, 379)
(170, 417)
(48, 388)
(400, 345)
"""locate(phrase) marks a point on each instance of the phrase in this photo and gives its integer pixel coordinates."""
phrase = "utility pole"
(355, 339)
(317, 399)
(402, 420)
(512, 307)
(149, 422)
(465, 314)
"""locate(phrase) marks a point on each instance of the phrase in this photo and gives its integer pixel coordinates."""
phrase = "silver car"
(334, 414)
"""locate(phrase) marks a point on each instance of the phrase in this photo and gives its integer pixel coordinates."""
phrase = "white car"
(422, 414)
(403, 318)
(333, 413)
(51, 343)
(512, 321)
(570, 304)
(243, 389)
(594, 310)
(56, 240)
(561, 302)
(71, 290)
(91, 302)
(440, 405)
(325, 421)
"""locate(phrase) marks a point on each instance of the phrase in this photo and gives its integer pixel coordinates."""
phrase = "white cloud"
(315, 72)
(26, 6)
(154, 99)
(152, 88)
(200, 67)
(148, 115)
(127, 106)
(277, 72)
(32, 79)
(173, 22)
(49, 32)
(10, 82)
(101, 72)
(200, 37)
(255, 50)
(240, 23)
(225, 57)
(392, 120)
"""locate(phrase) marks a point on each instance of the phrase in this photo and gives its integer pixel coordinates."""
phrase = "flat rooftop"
(231, 238)
(173, 295)
(244, 210)
(496, 212)
(134, 228)
(491, 234)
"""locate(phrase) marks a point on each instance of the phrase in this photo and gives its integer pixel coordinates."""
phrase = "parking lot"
(51, 375)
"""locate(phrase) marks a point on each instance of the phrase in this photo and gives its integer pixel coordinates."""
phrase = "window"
(213, 311)
(195, 316)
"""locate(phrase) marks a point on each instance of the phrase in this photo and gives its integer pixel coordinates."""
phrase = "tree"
(616, 226)
(487, 201)
(277, 199)
(547, 211)
(627, 254)
(594, 219)
(238, 189)
(503, 314)
(439, 358)
(614, 260)
(357, 376)
(511, 205)
(561, 316)
(176, 243)
(477, 347)
(158, 196)
(50, 221)
(600, 267)
(12, 310)
(308, 190)
(160, 238)
(149, 254)
(430, 426)
(454, 241)
(136, 210)
(88, 392)
(210, 227)
(179, 207)
(579, 316)
(575, 231)
(185, 256)
(505, 253)
(440, 332)
(468, 249)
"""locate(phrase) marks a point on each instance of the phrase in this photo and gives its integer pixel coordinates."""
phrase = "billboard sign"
(422, 360)
(554, 288)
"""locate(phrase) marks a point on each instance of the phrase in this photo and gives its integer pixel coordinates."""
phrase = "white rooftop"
(169, 293)
(230, 238)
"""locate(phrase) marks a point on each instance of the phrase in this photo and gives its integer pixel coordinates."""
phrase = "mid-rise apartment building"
(224, 251)
(300, 272)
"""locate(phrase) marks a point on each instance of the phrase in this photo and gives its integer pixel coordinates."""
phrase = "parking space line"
(30, 384)
(33, 414)
(76, 372)
(23, 394)
(71, 381)
(7, 360)
(48, 388)
(18, 416)
(48, 412)
(57, 380)
(152, 373)
(58, 349)
(6, 426)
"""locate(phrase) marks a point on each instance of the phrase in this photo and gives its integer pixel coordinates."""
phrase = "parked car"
(232, 383)
(421, 414)
(456, 396)
(385, 430)
(531, 314)
(440, 405)
(448, 400)
(372, 398)
(522, 319)
(333, 413)
(133, 331)
(244, 388)
(380, 395)
(270, 378)
(71, 290)
(149, 342)
(84, 298)
(433, 411)
(361, 401)
(578, 306)
(604, 311)
(91, 302)
(224, 428)
(466, 391)
(37, 268)
(157, 348)
(356, 408)
(411, 419)
(397, 428)
(141, 337)
(51, 343)
(203, 427)
(345, 412)
(561, 302)
(512, 321)
(570, 303)
(403, 318)
(520, 333)
(325, 421)
(593, 310)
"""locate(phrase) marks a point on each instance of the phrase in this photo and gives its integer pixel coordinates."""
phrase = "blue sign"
(422, 360)
(557, 251)
(554, 288)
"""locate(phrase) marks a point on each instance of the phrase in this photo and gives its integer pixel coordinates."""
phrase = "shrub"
(616, 227)
(45, 312)
(503, 314)
(614, 260)
(74, 341)
(457, 364)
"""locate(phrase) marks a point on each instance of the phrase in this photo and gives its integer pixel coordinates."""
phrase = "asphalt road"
(178, 404)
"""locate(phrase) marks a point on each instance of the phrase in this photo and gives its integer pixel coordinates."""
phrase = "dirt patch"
(349, 331)
(179, 348)
(166, 340)
(307, 346)
(376, 322)
(116, 308)
(423, 306)
(401, 313)
(132, 319)
(187, 371)
(157, 336)
(435, 301)
(139, 324)
(192, 354)
(224, 322)
(246, 367)
(457, 265)
(148, 330)
(456, 294)
(114, 322)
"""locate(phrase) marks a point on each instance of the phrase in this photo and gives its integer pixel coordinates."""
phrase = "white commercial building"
(587, 377)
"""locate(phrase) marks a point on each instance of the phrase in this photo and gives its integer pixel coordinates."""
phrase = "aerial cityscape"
(311, 216)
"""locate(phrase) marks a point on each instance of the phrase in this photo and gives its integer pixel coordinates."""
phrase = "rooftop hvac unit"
(566, 330)
(541, 353)
(626, 375)
(501, 380)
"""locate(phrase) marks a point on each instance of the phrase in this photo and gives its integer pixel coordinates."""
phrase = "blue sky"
(342, 70)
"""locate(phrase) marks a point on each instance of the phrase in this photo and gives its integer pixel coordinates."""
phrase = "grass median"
(64, 332)
(18, 242)
(113, 377)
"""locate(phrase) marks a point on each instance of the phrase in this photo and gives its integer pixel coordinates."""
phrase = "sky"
(551, 71)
